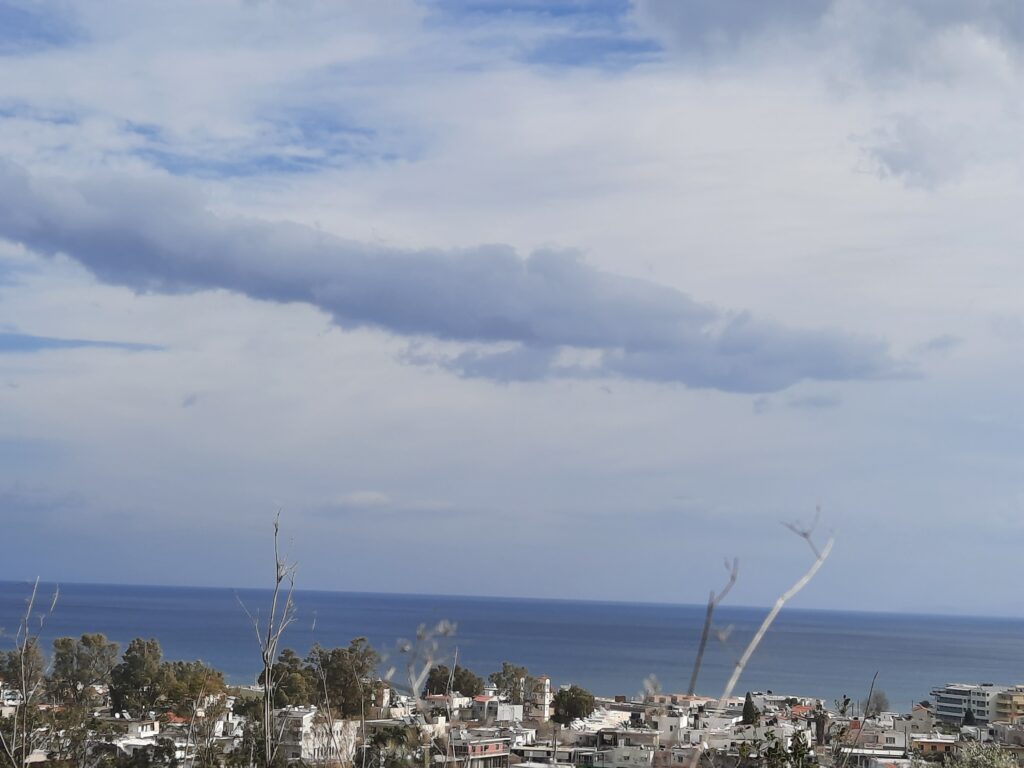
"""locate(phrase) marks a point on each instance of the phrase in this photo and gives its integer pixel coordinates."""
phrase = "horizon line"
(530, 598)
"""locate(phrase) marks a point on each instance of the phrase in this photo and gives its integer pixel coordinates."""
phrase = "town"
(86, 705)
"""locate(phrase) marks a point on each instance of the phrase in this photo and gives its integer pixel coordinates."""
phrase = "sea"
(610, 648)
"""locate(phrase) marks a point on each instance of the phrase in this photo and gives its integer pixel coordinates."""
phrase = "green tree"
(392, 747)
(437, 680)
(463, 681)
(572, 703)
(466, 682)
(775, 755)
(341, 676)
(799, 751)
(511, 681)
(23, 669)
(969, 718)
(138, 682)
(973, 754)
(80, 664)
(187, 685)
(751, 714)
(72, 734)
(293, 682)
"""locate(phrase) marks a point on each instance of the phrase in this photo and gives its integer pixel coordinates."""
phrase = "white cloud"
(850, 169)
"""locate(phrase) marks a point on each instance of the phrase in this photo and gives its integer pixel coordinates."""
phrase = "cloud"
(872, 38)
(362, 499)
(157, 235)
(941, 344)
(917, 153)
(16, 343)
(27, 27)
(370, 503)
(815, 402)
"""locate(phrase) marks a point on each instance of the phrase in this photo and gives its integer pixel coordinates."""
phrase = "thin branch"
(784, 598)
(806, 533)
(713, 603)
(860, 731)
(282, 614)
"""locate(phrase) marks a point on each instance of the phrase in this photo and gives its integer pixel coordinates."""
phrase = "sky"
(568, 299)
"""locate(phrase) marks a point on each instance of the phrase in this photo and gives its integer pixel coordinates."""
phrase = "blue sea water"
(609, 648)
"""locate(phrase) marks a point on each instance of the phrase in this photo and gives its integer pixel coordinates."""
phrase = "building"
(933, 745)
(308, 735)
(492, 710)
(953, 701)
(537, 705)
(625, 748)
(469, 751)
(1009, 705)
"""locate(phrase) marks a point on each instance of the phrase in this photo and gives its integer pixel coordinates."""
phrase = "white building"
(672, 725)
(953, 701)
(308, 735)
(625, 748)
(492, 710)
(538, 700)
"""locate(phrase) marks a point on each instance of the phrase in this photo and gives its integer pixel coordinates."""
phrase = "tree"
(799, 751)
(23, 669)
(572, 703)
(437, 681)
(820, 724)
(969, 718)
(292, 680)
(775, 755)
(973, 754)
(843, 705)
(138, 682)
(877, 703)
(78, 665)
(462, 680)
(466, 682)
(751, 715)
(188, 685)
(341, 675)
(512, 682)
(392, 747)
(280, 615)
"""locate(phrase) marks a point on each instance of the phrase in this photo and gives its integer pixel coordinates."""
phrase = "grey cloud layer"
(884, 35)
(522, 313)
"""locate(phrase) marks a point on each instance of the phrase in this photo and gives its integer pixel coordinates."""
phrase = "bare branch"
(713, 602)
(268, 636)
(18, 745)
(860, 731)
(784, 598)
(806, 533)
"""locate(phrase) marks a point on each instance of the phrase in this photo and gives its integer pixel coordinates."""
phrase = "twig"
(770, 618)
(713, 602)
(269, 638)
(806, 533)
(860, 731)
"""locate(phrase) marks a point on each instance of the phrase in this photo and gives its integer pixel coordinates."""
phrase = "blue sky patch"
(23, 343)
(26, 27)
